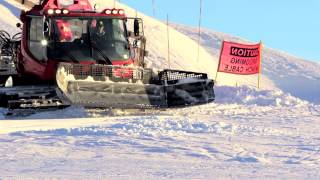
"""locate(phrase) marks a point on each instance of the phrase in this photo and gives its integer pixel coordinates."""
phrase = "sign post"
(168, 39)
(221, 50)
(260, 66)
(153, 9)
(199, 30)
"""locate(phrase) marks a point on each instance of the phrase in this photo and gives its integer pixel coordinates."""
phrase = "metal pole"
(260, 65)
(168, 38)
(199, 30)
(153, 8)
(221, 50)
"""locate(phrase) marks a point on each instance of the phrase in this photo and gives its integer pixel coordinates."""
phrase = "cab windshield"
(88, 39)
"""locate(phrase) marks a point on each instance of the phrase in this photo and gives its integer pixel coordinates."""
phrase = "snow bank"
(251, 96)
(225, 95)
(154, 126)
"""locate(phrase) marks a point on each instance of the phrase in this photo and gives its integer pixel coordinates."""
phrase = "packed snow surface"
(271, 133)
(249, 134)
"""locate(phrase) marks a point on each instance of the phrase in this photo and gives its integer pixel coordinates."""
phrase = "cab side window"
(36, 48)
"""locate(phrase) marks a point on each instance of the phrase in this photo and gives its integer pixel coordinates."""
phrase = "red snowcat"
(68, 53)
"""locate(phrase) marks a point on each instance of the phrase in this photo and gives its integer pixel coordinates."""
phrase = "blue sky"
(289, 25)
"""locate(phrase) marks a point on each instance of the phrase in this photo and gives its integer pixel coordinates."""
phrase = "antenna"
(168, 38)
(199, 30)
(96, 6)
(153, 8)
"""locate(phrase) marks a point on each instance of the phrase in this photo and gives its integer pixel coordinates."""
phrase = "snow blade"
(130, 87)
(186, 88)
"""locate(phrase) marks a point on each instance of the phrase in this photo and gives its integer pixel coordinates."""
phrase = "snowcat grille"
(174, 75)
(103, 72)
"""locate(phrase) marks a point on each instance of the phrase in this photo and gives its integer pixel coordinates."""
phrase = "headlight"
(58, 11)
(65, 11)
(50, 11)
(114, 11)
(121, 12)
(108, 11)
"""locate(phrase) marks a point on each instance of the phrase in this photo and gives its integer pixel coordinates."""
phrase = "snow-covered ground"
(250, 134)
(246, 133)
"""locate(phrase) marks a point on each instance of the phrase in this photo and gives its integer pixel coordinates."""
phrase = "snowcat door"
(137, 40)
(37, 40)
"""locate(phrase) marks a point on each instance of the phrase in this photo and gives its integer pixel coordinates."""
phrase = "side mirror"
(136, 27)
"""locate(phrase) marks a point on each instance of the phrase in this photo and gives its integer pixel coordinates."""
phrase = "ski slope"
(291, 74)
(246, 133)
(280, 71)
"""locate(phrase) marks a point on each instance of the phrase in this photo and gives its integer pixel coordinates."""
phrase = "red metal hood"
(72, 5)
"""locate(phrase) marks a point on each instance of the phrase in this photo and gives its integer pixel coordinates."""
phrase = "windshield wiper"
(105, 57)
(73, 59)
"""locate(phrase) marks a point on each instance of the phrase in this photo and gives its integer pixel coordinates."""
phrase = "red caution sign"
(239, 58)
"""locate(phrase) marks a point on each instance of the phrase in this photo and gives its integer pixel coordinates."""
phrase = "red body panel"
(58, 4)
(46, 70)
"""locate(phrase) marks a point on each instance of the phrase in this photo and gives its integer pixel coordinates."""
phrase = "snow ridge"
(294, 75)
